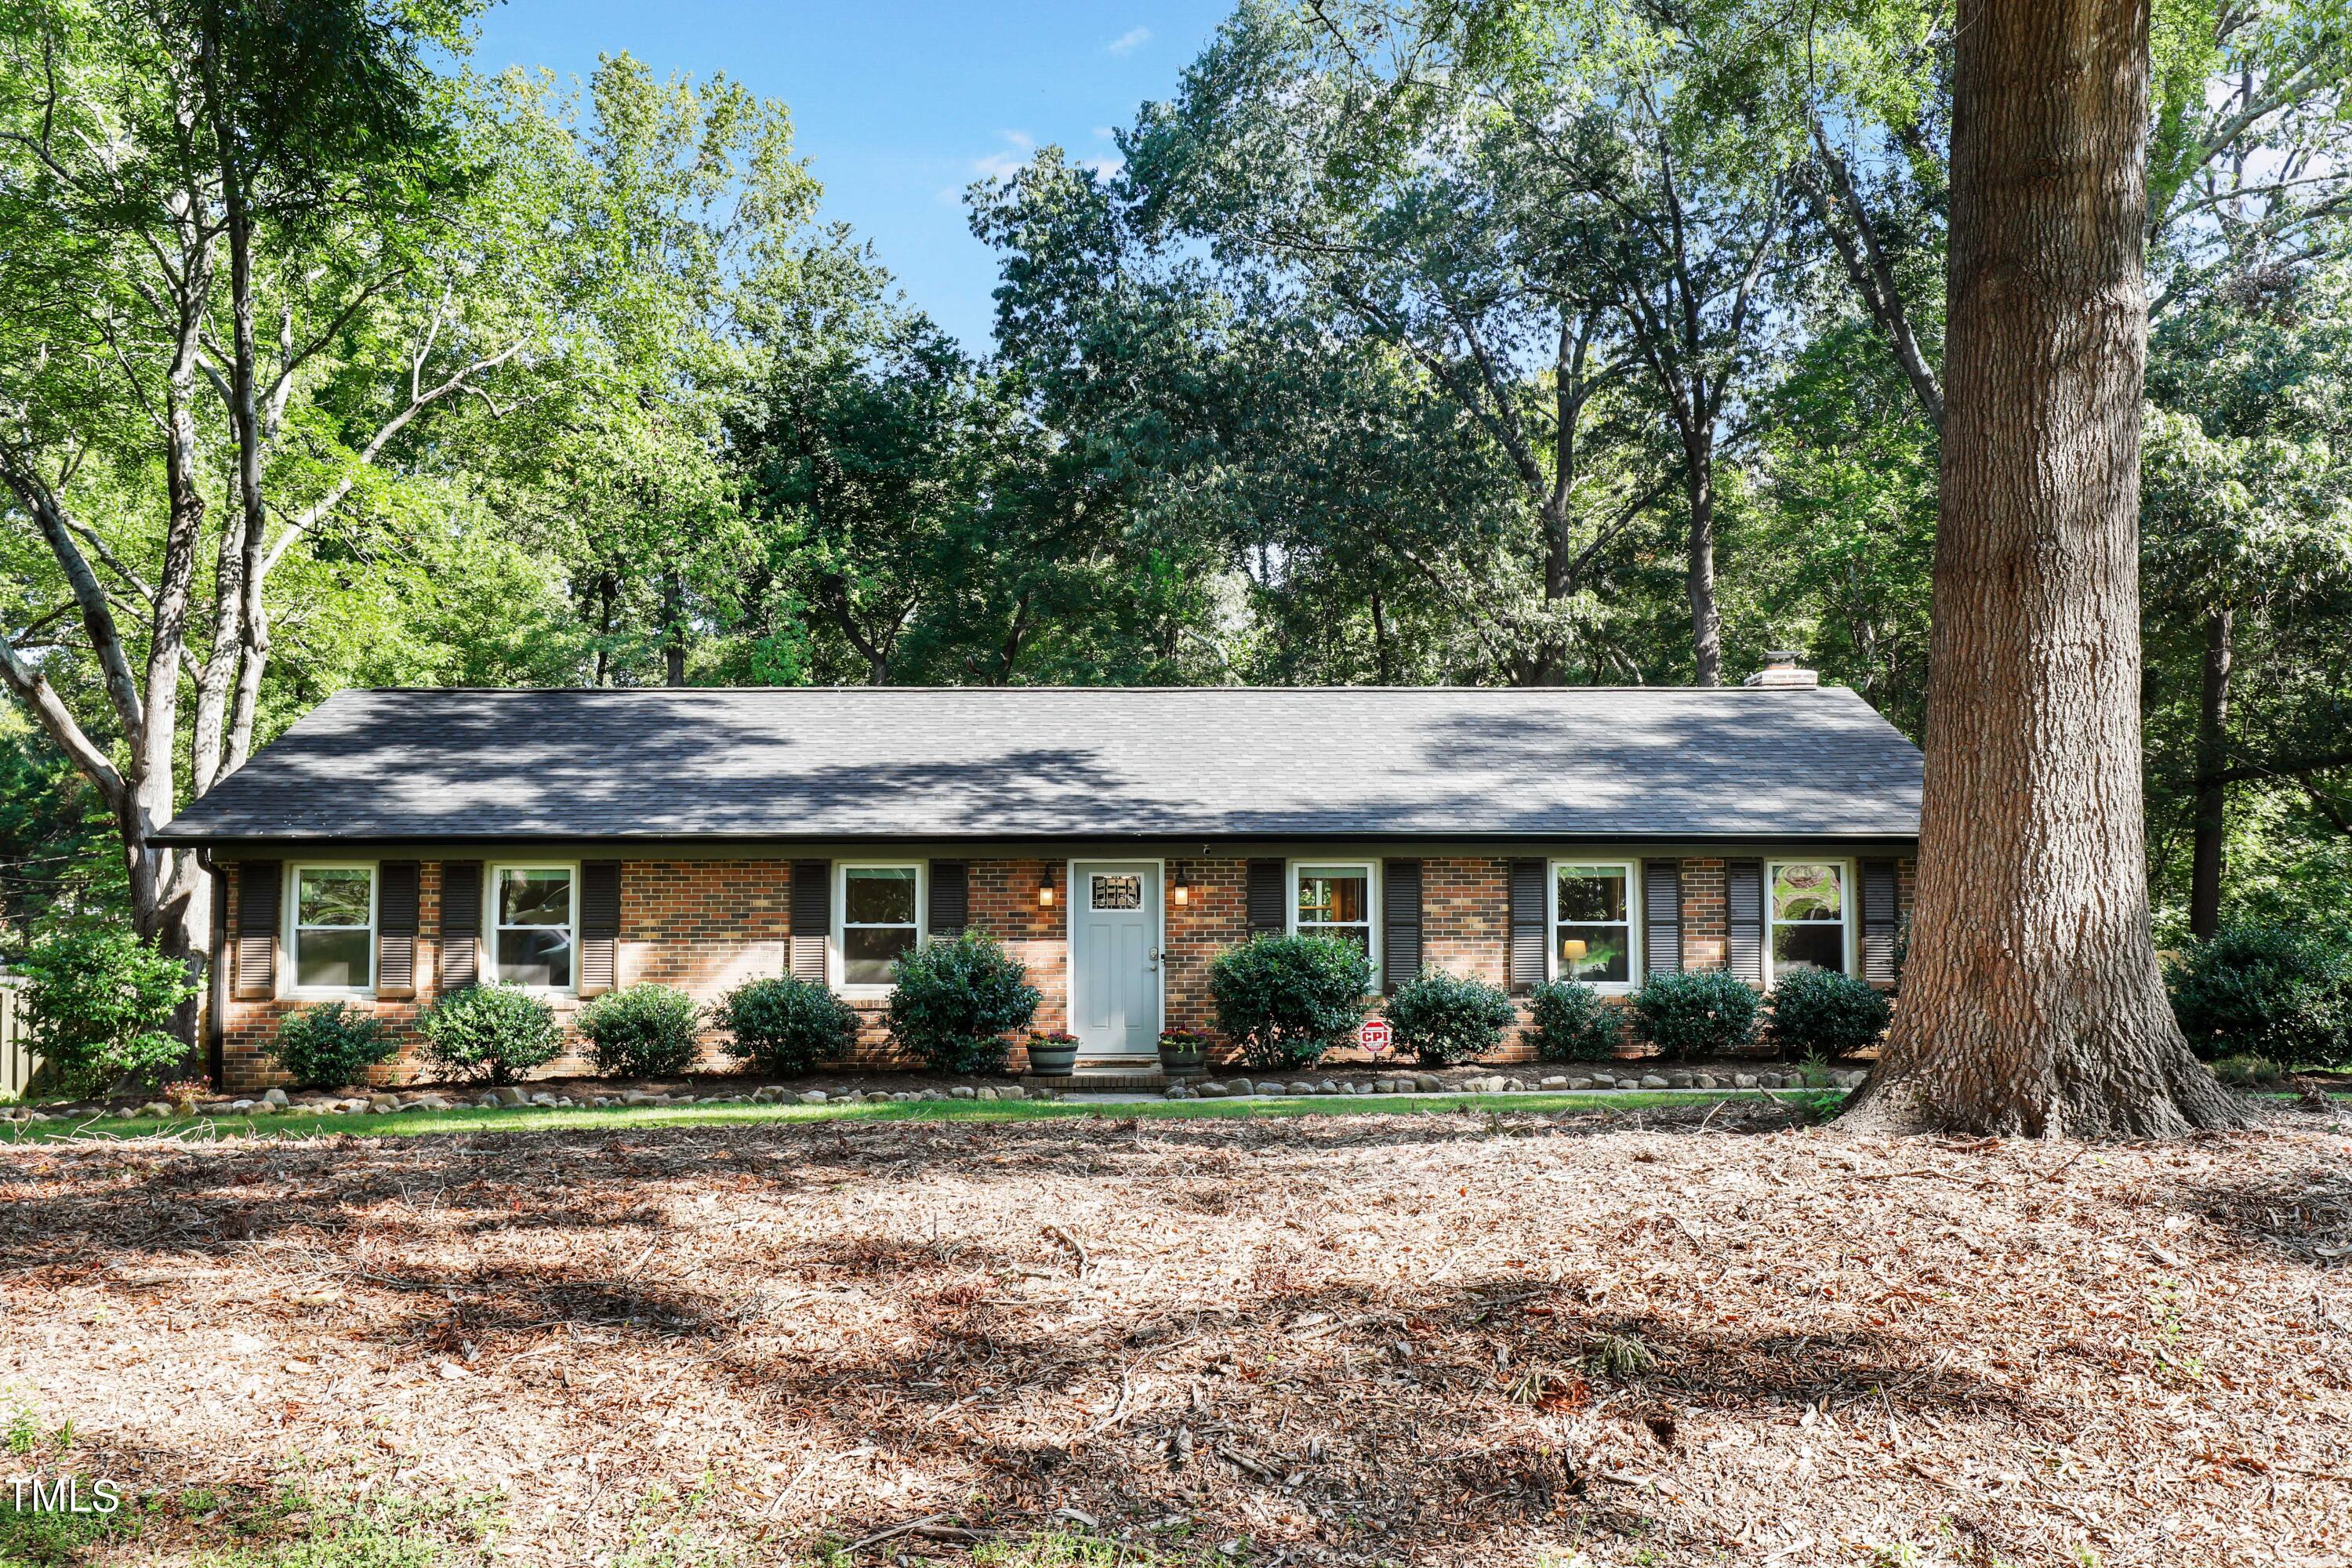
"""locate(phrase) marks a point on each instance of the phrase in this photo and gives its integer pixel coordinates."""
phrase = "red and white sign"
(1373, 1035)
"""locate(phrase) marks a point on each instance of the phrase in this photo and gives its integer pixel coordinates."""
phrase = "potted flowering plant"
(1183, 1051)
(1053, 1055)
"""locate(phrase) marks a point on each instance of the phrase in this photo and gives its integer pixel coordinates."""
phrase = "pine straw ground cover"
(1727, 1337)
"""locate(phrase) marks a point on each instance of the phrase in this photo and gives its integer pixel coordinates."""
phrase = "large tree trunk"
(1706, 622)
(2213, 794)
(2032, 1003)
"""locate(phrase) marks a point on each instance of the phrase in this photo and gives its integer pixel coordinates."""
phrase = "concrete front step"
(1089, 1080)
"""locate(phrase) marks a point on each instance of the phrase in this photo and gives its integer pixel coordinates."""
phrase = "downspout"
(216, 974)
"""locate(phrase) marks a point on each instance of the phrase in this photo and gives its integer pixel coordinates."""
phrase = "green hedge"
(1570, 1022)
(492, 1032)
(953, 1003)
(2265, 991)
(1285, 999)
(1819, 1012)
(1446, 1018)
(785, 1026)
(644, 1031)
(331, 1044)
(1701, 1013)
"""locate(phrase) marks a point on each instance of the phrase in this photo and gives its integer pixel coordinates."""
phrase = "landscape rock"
(812, 1097)
(1743, 1081)
(1654, 1081)
(1428, 1082)
(963, 1091)
(276, 1097)
(1213, 1091)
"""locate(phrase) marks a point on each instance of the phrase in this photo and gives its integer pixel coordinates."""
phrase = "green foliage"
(1446, 1018)
(1819, 1012)
(641, 1031)
(953, 1003)
(1697, 1012)
(98, 1003)
(1571, 1022)
(785, 1026)
(2248, 1072)
(494, 1033)
(2265, 991)
(332, 1044)
(1285, 999)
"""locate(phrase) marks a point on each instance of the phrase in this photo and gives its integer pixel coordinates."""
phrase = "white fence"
(17, 1058)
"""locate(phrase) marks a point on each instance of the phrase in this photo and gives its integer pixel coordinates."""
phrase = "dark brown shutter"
(461, 925)
(1528, 941)
(260, 885)
(1743, 898)
(1881, 919)
(951, 908)
(396, 929)
(1661, 916)
(812, 919)
(1399, 923)
(1267, 897)
(600, 926)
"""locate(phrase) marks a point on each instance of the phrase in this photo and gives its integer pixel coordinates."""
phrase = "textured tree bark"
(2032, 1003)
(1707, 621)
(2212, 790)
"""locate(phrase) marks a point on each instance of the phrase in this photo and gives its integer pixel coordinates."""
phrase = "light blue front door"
(1115, 958)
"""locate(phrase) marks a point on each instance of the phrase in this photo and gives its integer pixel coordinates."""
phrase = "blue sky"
(899, 103)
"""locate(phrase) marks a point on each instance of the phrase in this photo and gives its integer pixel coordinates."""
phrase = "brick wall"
(705, 926)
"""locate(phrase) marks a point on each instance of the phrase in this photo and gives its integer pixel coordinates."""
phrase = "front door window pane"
(1594, 936)
(333, 947)
(877, 921)
(1808, 916)
(534, 926)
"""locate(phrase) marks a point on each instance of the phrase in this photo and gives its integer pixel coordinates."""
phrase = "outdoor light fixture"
(1182, 890)
(1045, 889)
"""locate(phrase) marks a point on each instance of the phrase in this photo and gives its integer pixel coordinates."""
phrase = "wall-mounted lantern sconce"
(1181, 890)
(1045, 889)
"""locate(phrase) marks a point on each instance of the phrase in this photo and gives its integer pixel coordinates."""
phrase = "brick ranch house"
(396, 844)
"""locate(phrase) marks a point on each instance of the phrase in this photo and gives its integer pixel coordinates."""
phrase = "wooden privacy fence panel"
(17, 1058)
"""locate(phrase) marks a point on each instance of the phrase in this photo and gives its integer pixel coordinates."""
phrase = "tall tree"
(2031, 999)
(176, 175)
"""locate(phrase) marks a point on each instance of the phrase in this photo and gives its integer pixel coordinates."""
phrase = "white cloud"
(1127, 43)
(1007, 160)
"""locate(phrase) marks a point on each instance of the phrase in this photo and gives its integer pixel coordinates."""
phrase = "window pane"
(868, 953)
(535, 898)
(332, 897)
(337, 959)
(1357, 937)
(1591, 893)
(880, 895)
(1805, 892)
(1594, 953)
(1809, 945)
(535, 955)
(1333, 893)
(1116, 892)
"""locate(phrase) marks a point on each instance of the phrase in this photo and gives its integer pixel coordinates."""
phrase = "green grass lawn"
(621, 1117)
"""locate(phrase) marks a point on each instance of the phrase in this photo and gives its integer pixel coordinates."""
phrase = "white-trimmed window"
(1806, 905)
(535, 918)
(332, 922)
(1595, 928)
(1334, 897)
(880, 920)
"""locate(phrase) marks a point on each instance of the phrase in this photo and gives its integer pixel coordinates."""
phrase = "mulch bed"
(1716, 1336)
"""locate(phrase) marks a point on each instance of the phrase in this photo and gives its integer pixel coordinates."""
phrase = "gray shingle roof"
(850, 764)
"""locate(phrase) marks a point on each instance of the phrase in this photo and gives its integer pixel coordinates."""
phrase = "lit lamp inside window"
(1045, 889)
(1571, 952)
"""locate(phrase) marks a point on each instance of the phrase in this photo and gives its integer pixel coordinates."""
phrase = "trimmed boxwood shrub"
(1446, 1018)
(1819, 1012)
(1285, 999)
(1705, 1011)
(784, 1026)
(1570, 1023)
(2265, 991)
(953, 1003)
(492, 1032)
(644, 1031)
(330, 1045)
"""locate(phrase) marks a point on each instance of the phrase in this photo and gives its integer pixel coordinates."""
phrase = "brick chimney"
(1782, 669)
